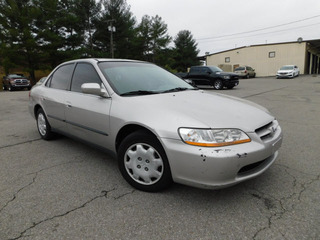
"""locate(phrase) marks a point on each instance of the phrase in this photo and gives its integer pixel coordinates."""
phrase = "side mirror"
(95, 89)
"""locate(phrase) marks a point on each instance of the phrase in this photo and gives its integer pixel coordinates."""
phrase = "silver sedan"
(160, 128)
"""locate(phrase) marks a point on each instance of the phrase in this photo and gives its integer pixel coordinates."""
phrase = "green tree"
(87, 13)
(143, 40)
(118, 15)
(153, 39)
(159, 38)
(50, 32)
(18, 45)
(185, 51)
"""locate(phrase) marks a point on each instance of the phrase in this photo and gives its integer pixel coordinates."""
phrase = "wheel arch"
(128, 129)
(36, 108)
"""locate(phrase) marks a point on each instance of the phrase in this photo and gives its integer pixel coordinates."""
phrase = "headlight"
(213, 137)
(226, 77)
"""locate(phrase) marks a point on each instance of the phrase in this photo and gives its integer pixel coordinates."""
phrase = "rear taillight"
(245, 71)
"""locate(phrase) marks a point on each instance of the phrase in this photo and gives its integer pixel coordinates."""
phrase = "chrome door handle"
(68, 105)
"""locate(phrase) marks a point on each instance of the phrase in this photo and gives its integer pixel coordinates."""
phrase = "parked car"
(41, 80)
(15, 81)
(212, 76)
(160, 128)
(288, 71)
(245, 72)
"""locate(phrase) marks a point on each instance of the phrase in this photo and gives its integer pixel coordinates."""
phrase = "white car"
(288, 71)
(159, 127)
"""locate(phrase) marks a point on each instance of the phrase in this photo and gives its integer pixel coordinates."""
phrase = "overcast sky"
(209, 20)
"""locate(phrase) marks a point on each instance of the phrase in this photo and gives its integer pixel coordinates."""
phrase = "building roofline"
(258, 45)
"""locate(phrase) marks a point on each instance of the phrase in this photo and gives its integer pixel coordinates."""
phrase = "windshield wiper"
(178, 89)
(138, 92)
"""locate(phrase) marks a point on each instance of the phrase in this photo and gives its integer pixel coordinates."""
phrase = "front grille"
(21, 81)
(268, 130)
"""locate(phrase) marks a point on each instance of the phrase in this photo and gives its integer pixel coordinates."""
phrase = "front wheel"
(43, 125)
(218, 84)
(143, 162)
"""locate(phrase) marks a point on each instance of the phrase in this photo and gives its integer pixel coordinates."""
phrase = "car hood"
(165, 113)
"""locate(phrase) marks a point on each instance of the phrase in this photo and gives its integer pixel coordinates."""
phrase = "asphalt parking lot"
(63, 189)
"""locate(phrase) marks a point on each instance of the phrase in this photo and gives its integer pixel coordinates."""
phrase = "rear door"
(53, 99)
(87, 115)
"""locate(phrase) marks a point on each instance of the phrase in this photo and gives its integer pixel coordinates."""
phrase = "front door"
(87, 116)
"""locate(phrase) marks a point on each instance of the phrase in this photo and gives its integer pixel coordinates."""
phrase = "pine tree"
(185, 51)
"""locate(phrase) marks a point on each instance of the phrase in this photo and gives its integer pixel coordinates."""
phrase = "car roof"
(95, 60)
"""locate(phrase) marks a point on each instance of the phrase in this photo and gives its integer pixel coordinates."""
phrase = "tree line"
(40, 34)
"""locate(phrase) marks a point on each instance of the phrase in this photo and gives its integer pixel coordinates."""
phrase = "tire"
(143, 162)
(10, 88)
(217, 84)
(248, 76)
(43, 126)
(4, 87)
(254, 75)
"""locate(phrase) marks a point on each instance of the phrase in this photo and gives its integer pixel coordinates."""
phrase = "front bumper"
(21, 85)
(285, 75)
(213, 168)
(231, 83)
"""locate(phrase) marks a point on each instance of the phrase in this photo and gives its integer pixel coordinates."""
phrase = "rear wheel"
(43, 125)
(248, 76)
(143, 162)
(218, 84)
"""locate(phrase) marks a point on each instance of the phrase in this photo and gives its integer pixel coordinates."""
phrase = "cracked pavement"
(63, 189)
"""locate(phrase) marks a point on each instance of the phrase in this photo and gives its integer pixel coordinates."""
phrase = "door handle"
(68, 105)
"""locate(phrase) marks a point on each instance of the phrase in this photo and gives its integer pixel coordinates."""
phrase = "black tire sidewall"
(144, 137)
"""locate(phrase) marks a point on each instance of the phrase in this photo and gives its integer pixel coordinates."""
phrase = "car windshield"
(286, 68)
(215, 69)
(16, 76)
(134, 78)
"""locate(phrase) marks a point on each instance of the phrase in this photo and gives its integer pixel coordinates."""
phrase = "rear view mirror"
(94, 88)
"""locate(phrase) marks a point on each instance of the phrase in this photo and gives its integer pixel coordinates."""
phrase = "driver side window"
(84, 73)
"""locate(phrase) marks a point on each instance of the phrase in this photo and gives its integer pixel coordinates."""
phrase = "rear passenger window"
(61, 77)
(84, 73)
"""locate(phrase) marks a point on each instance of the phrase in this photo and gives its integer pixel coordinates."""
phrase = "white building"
(266, 59)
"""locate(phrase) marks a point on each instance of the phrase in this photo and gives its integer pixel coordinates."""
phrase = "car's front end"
(19, 83)
(210, 146)
(229, 79)
(222, 166)
(287, 71)
(285, 74)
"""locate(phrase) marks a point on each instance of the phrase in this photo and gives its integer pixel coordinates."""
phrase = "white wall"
(258, 57)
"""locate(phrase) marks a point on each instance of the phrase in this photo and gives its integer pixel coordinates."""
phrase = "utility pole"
(111, 29)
